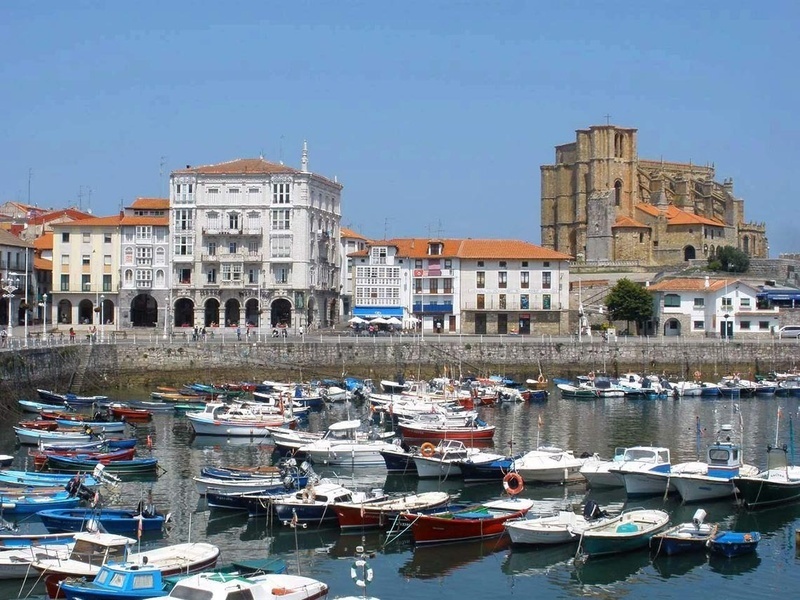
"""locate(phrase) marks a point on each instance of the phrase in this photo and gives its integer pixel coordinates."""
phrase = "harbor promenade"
(144, 357)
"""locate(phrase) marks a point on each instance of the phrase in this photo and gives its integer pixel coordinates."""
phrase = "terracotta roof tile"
(44, 241)
(346, 232)
(246, 166)
(42, 264)
(697, 284)
(137, 220)
(676, 216)
(9, 239)
(150, 204)
(93, 222)
(628, 222)
(469, 249)
(58, 214)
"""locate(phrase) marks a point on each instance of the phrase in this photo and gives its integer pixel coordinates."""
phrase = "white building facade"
(464, 285)
(144, 294)
(254, 243)
(704, 307)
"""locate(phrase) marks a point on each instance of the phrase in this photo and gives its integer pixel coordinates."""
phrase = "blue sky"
(434, 115)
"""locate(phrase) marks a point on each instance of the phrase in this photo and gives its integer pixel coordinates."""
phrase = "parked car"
(789, 331)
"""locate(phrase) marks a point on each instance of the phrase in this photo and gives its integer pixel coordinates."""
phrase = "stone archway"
(183, 313)
(211, 312)
(311, 307)
(86, 312)
(672, 328)
(232, 312)
(144, 311)
(252, 313)
(107, 312)
(689, 253)
(281, 312)
(64, 312)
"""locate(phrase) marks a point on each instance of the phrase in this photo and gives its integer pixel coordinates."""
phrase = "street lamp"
(166, 315)
(10, 285)
(102, 320)
(43, 304)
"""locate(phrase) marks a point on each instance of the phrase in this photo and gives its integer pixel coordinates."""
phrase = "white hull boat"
(563, 528)
(549, 465)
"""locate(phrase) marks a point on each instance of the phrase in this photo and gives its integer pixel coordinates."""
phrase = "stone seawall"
(108, 366)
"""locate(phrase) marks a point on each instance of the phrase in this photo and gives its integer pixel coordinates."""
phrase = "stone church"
(603, 204)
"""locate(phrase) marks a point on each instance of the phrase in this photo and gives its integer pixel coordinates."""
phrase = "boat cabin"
(724, 459)
(100, 548)
(122, 578)
(649, 454)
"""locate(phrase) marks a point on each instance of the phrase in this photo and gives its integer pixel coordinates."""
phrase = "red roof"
(676, 216)
(468, 249)
(150, 204)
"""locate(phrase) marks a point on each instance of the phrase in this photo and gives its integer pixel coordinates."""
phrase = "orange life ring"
(697, 374)
(427, 449)
(591, 375)
(513, 483)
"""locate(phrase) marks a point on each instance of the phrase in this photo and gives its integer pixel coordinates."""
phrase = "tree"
(729, 259)
(628, 301)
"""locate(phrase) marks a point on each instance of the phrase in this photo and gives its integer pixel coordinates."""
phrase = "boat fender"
(513, 483)
(697, 375)
(360, 569)
(427, 449)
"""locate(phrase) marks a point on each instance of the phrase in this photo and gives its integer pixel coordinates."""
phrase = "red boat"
(441, 429)
(40, 425)
(474, 523)
(131, 414)
(40, 458)
(353, 515)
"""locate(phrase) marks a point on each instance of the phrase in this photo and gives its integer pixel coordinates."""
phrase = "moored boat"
(355, 515)
(112, 520)
(631, 530)
(476, 522)
(734, 543)
(270, 586)
(684, 537)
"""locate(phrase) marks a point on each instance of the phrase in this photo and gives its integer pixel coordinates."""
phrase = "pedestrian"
(238, 333)
(300, 330)
(3, 338)
(71, 335)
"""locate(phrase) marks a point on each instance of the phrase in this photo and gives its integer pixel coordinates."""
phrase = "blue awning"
(371, 312)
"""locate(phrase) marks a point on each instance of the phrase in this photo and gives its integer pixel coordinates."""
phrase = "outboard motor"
(592, 510)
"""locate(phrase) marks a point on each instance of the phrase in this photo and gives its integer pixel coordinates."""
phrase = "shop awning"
(371, 312)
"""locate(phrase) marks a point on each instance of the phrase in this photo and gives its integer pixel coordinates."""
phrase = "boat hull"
(630, 531)
(763, 492)
(120, 522)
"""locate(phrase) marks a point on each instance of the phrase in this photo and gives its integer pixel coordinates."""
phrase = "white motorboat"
(713, 479)
(561, 528)
(549, 465)
(598, 473)
(271, 586)
(645, 470)
(341, 446)
(238, 420)
(443, 460)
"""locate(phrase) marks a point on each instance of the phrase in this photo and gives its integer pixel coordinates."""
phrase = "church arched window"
(617, 192)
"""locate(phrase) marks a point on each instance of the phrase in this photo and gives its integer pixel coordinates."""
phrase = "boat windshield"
(639, 454)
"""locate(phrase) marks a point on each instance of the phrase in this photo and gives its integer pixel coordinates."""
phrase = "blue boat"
(74, 464)
(117, 521)
(97, 426)
(73, 399)
(734, 543)
(124, 581)
(12, 538)
(33, 479)
(37, 407)
(399, 460)
(486, 467)
(27, 504)
(685, 537)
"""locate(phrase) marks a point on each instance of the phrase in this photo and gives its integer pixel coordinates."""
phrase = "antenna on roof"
(386, 228)
(161, 165)
(280, 150)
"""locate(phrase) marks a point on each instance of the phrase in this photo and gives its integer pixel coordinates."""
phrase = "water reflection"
(429, 562)
(678, 565)
(733, 567)
(611, 569)
(526, 562)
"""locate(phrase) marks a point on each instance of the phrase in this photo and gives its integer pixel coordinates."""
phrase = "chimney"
(707, 282)
(304, 158)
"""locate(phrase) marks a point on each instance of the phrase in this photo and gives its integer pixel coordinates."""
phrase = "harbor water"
(490, 568)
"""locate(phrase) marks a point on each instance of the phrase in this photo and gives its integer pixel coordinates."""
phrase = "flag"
(541, 421)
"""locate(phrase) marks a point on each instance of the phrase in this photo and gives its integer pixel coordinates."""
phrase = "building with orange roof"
(604, 205)
(256, 243)
(349, 243)
(42, 222)
(472, 286)
(710, 307)
(86, 275)
(145, 288)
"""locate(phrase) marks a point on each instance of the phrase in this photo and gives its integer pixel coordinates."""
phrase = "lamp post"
(10, 285)
(102, 319)
(166, 315)
(43, 304)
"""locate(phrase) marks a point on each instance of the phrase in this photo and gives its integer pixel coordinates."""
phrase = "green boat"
(631, 530)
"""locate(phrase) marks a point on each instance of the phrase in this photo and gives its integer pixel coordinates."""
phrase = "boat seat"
(474, 514)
